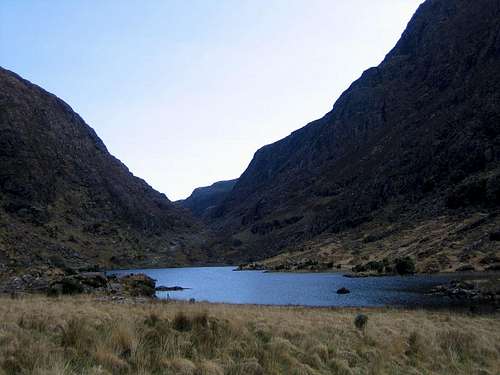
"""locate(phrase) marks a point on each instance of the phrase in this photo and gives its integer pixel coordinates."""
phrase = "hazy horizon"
(184, 93)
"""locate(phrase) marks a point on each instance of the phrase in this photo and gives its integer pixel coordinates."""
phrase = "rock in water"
(163, 288)
(343, 290)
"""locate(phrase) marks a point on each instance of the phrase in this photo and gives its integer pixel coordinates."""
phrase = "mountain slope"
(413, 143)
(64, 200)
(205, 198)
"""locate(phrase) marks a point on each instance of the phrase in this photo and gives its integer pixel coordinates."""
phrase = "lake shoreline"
(223, 285)
(458, 307)
(314, 289)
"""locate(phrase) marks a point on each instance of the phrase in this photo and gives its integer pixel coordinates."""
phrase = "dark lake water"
(222, 284)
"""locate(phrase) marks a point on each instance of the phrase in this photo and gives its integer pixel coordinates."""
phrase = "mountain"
(407, 163)
(65, 201)
(205, 198)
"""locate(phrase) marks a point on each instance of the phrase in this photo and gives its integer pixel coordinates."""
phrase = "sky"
(185, 91)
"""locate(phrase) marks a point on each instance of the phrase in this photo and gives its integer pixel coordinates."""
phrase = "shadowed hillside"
(203, 199)
(65, 201)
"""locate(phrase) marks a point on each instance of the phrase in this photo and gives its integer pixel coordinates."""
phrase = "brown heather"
(79, 335)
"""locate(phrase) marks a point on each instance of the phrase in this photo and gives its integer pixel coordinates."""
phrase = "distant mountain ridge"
(205, 198)
(413, 143)
(64, 200)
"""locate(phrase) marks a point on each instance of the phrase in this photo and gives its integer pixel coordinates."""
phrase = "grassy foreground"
(79, 335)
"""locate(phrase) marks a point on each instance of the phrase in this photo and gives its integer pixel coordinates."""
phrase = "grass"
(79, 335)
(444, 243)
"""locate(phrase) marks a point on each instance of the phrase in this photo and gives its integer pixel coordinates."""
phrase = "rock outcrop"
(56, 282)
(483, 290)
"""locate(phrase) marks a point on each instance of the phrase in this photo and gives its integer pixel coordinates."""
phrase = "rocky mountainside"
(406, 163)
(203, 199)
(66, 202)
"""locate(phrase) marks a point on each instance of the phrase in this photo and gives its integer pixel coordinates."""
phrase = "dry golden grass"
(79, 335)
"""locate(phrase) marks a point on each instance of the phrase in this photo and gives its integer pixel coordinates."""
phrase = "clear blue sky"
(185, 91)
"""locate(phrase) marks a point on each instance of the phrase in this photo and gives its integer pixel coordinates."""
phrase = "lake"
(222, 284)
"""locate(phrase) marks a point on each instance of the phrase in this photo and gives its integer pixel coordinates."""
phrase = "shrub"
(471, 191)
(339, 367)
(370, 238)
(456, 343)
(375, 266)
(123, 339)
(78, 334)
(359, 268)
(151, 320)
(237, 242)
(71, 286)
(111, 361)
(416, 344)
(155, 337)
(181, 322)
(249, 367)
(495, 236)
(361, 321)
(180, 366)
(57, 261)
(52, 291)
(209, 368)
(475, 190)
(200, 320)
(405, 266)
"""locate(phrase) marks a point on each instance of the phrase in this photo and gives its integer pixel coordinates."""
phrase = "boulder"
(115, 288)
(93, 279)
(495, 236)
(494, 267)
(343, 290)
(68, 285)
(139, 285)
(465, 268)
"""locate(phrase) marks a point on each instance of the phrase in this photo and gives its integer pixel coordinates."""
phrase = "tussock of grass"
(77, 335)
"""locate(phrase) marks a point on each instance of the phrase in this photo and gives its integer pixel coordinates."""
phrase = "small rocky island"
(485, 291)
(175, 288)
